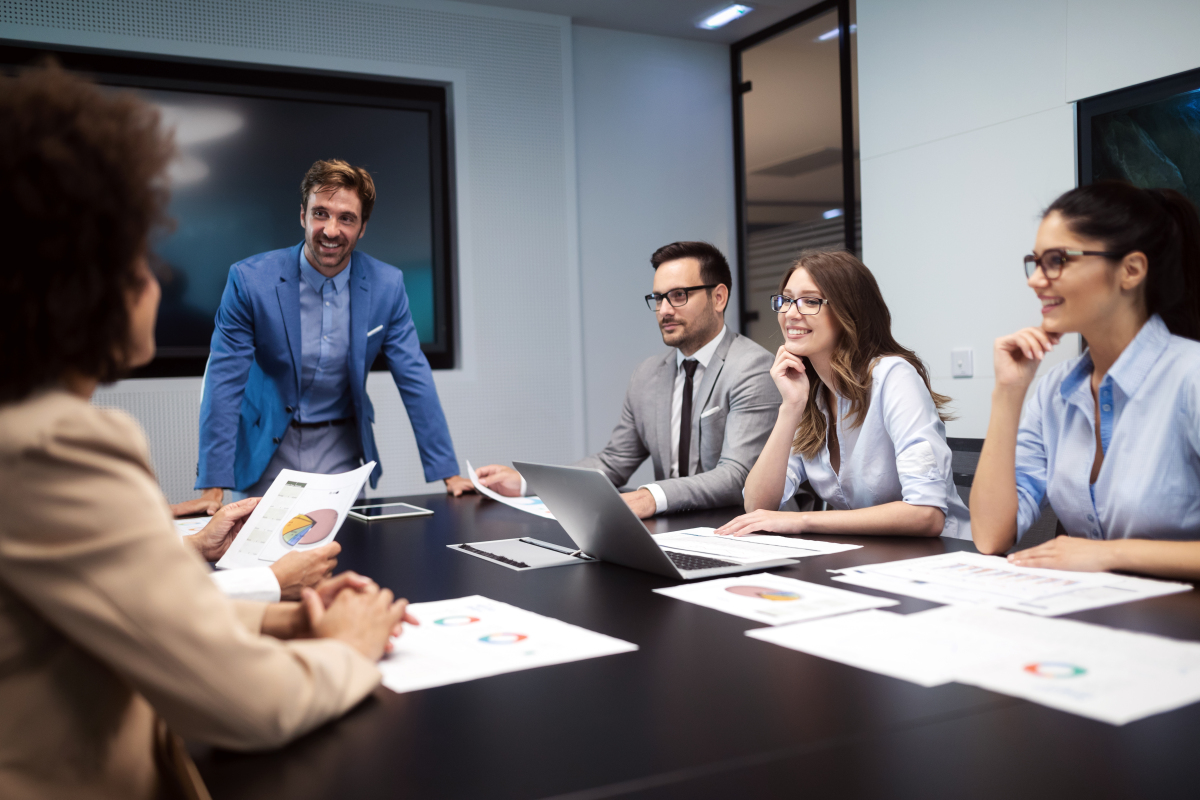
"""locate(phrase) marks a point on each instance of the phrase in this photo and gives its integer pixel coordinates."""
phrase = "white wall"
(967, 133)
(654, 143)
(654, 165)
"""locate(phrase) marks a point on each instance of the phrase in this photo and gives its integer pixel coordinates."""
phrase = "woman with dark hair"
(858, 421)
(1111, 438)
(113, 640)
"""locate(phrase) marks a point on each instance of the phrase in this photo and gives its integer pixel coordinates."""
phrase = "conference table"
(699, 710)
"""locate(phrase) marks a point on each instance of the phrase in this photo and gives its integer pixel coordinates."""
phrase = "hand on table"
(1067, 552)
(641, 503)
(456, 485)
(365, 619)
(305, 568)
(214, 538)
(763, 521)
(500, 479)
(207, 503)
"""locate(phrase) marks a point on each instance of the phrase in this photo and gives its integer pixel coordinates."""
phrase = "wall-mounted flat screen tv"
(1148, 134)
(245, 137)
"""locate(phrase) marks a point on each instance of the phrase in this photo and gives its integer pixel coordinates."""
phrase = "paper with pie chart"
(1094, 671)
(300, 511)
(773, 599)
(474, 637)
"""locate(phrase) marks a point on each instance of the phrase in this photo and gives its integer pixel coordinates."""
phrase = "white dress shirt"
(702, 357)
(899, 452)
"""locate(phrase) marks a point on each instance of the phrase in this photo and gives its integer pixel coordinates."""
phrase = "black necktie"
(685, 417)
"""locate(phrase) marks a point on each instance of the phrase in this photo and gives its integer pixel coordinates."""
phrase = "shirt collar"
(317, 281)
(704, 354)
(1134, 363)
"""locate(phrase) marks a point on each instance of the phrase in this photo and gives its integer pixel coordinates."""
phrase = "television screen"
(245, 139)
(1148, 135)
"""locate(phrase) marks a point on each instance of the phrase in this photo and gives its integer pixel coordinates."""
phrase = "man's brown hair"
(342, 175)
(81, 186)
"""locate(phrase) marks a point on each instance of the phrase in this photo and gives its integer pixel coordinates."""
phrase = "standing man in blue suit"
(297, 332)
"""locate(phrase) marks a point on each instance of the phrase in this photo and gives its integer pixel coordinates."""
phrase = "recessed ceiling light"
(724, 16)
(833, 34)
(832, 213)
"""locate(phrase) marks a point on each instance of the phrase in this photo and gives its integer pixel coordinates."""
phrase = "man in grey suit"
(702, 411)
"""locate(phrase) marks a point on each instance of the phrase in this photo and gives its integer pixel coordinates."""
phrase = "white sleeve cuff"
(249, 583)
(524, 487)
(660, 499)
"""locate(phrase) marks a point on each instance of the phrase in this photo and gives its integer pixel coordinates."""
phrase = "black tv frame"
(138, 70)
(1130, 97)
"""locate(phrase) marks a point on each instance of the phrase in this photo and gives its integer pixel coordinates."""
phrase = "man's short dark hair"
(81, 186)
(713, 266)
(342, 175)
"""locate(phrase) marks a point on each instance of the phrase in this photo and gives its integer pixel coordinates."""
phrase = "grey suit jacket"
(725, 441)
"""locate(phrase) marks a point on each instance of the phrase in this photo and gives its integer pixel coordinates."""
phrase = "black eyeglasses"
(805, 305)
(676, 297)
(1053, 260)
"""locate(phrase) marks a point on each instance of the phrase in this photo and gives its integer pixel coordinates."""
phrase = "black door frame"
(740, 87)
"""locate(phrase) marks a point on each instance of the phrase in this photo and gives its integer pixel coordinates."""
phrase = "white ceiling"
(675, 18)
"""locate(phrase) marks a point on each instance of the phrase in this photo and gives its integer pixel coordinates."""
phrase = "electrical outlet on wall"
(962, 362)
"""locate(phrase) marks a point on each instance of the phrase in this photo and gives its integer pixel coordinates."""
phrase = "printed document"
(300, 511)
(773, 599)
(1094, 671)
(745, 549)
(190, 526)
(474, 637)
(973, 579)
(532, 505)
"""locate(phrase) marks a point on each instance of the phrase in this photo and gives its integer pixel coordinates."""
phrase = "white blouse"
(899, 452)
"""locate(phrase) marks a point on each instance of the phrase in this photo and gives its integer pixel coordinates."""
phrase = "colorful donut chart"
(456, 621)
(503, 638)
(1054, 669)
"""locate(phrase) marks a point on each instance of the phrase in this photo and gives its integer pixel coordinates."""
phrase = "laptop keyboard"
(685, 561)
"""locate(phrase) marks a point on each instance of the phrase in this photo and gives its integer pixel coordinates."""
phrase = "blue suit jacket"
(252, 384)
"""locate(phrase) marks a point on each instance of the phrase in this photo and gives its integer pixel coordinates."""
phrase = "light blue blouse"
(899, 452)
(1149, 483)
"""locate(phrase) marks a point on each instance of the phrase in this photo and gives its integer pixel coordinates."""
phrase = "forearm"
(994, 489)
(1147, 557)
(768, 476)
(890, 519)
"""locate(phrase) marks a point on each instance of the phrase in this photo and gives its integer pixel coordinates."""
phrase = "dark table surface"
(700, 710)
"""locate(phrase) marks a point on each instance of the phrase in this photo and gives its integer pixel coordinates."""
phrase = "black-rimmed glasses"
(676, 297)
(1053, 260)
(805, 305)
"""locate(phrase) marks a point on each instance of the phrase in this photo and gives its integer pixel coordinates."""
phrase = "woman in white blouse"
(881, 462)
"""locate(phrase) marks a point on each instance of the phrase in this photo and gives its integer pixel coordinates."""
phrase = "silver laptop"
(593, 514)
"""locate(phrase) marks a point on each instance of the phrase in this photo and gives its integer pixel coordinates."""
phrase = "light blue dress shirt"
(1149, 483)
(898, 452)
(324, 345)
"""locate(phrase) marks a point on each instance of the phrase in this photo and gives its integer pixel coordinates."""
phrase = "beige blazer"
(110, 626)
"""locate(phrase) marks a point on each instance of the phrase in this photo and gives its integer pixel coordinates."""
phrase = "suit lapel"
(288, 292)
(664, 389)
(360, 317)
(704, 396)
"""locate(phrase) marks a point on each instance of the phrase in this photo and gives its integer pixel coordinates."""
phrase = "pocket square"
(710, 412)
(374, 331)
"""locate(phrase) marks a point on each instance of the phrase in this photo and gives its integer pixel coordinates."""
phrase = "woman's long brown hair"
(866, 336)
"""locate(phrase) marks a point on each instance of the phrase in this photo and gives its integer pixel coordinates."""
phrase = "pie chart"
(764, 593)
(309, 527)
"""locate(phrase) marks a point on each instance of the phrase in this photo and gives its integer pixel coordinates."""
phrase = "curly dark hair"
(82, 184)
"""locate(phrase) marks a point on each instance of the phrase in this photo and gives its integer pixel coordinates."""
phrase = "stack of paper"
(745, 549)
(1110, 675)
(773, 599)
(474, 637)
(973, 579)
